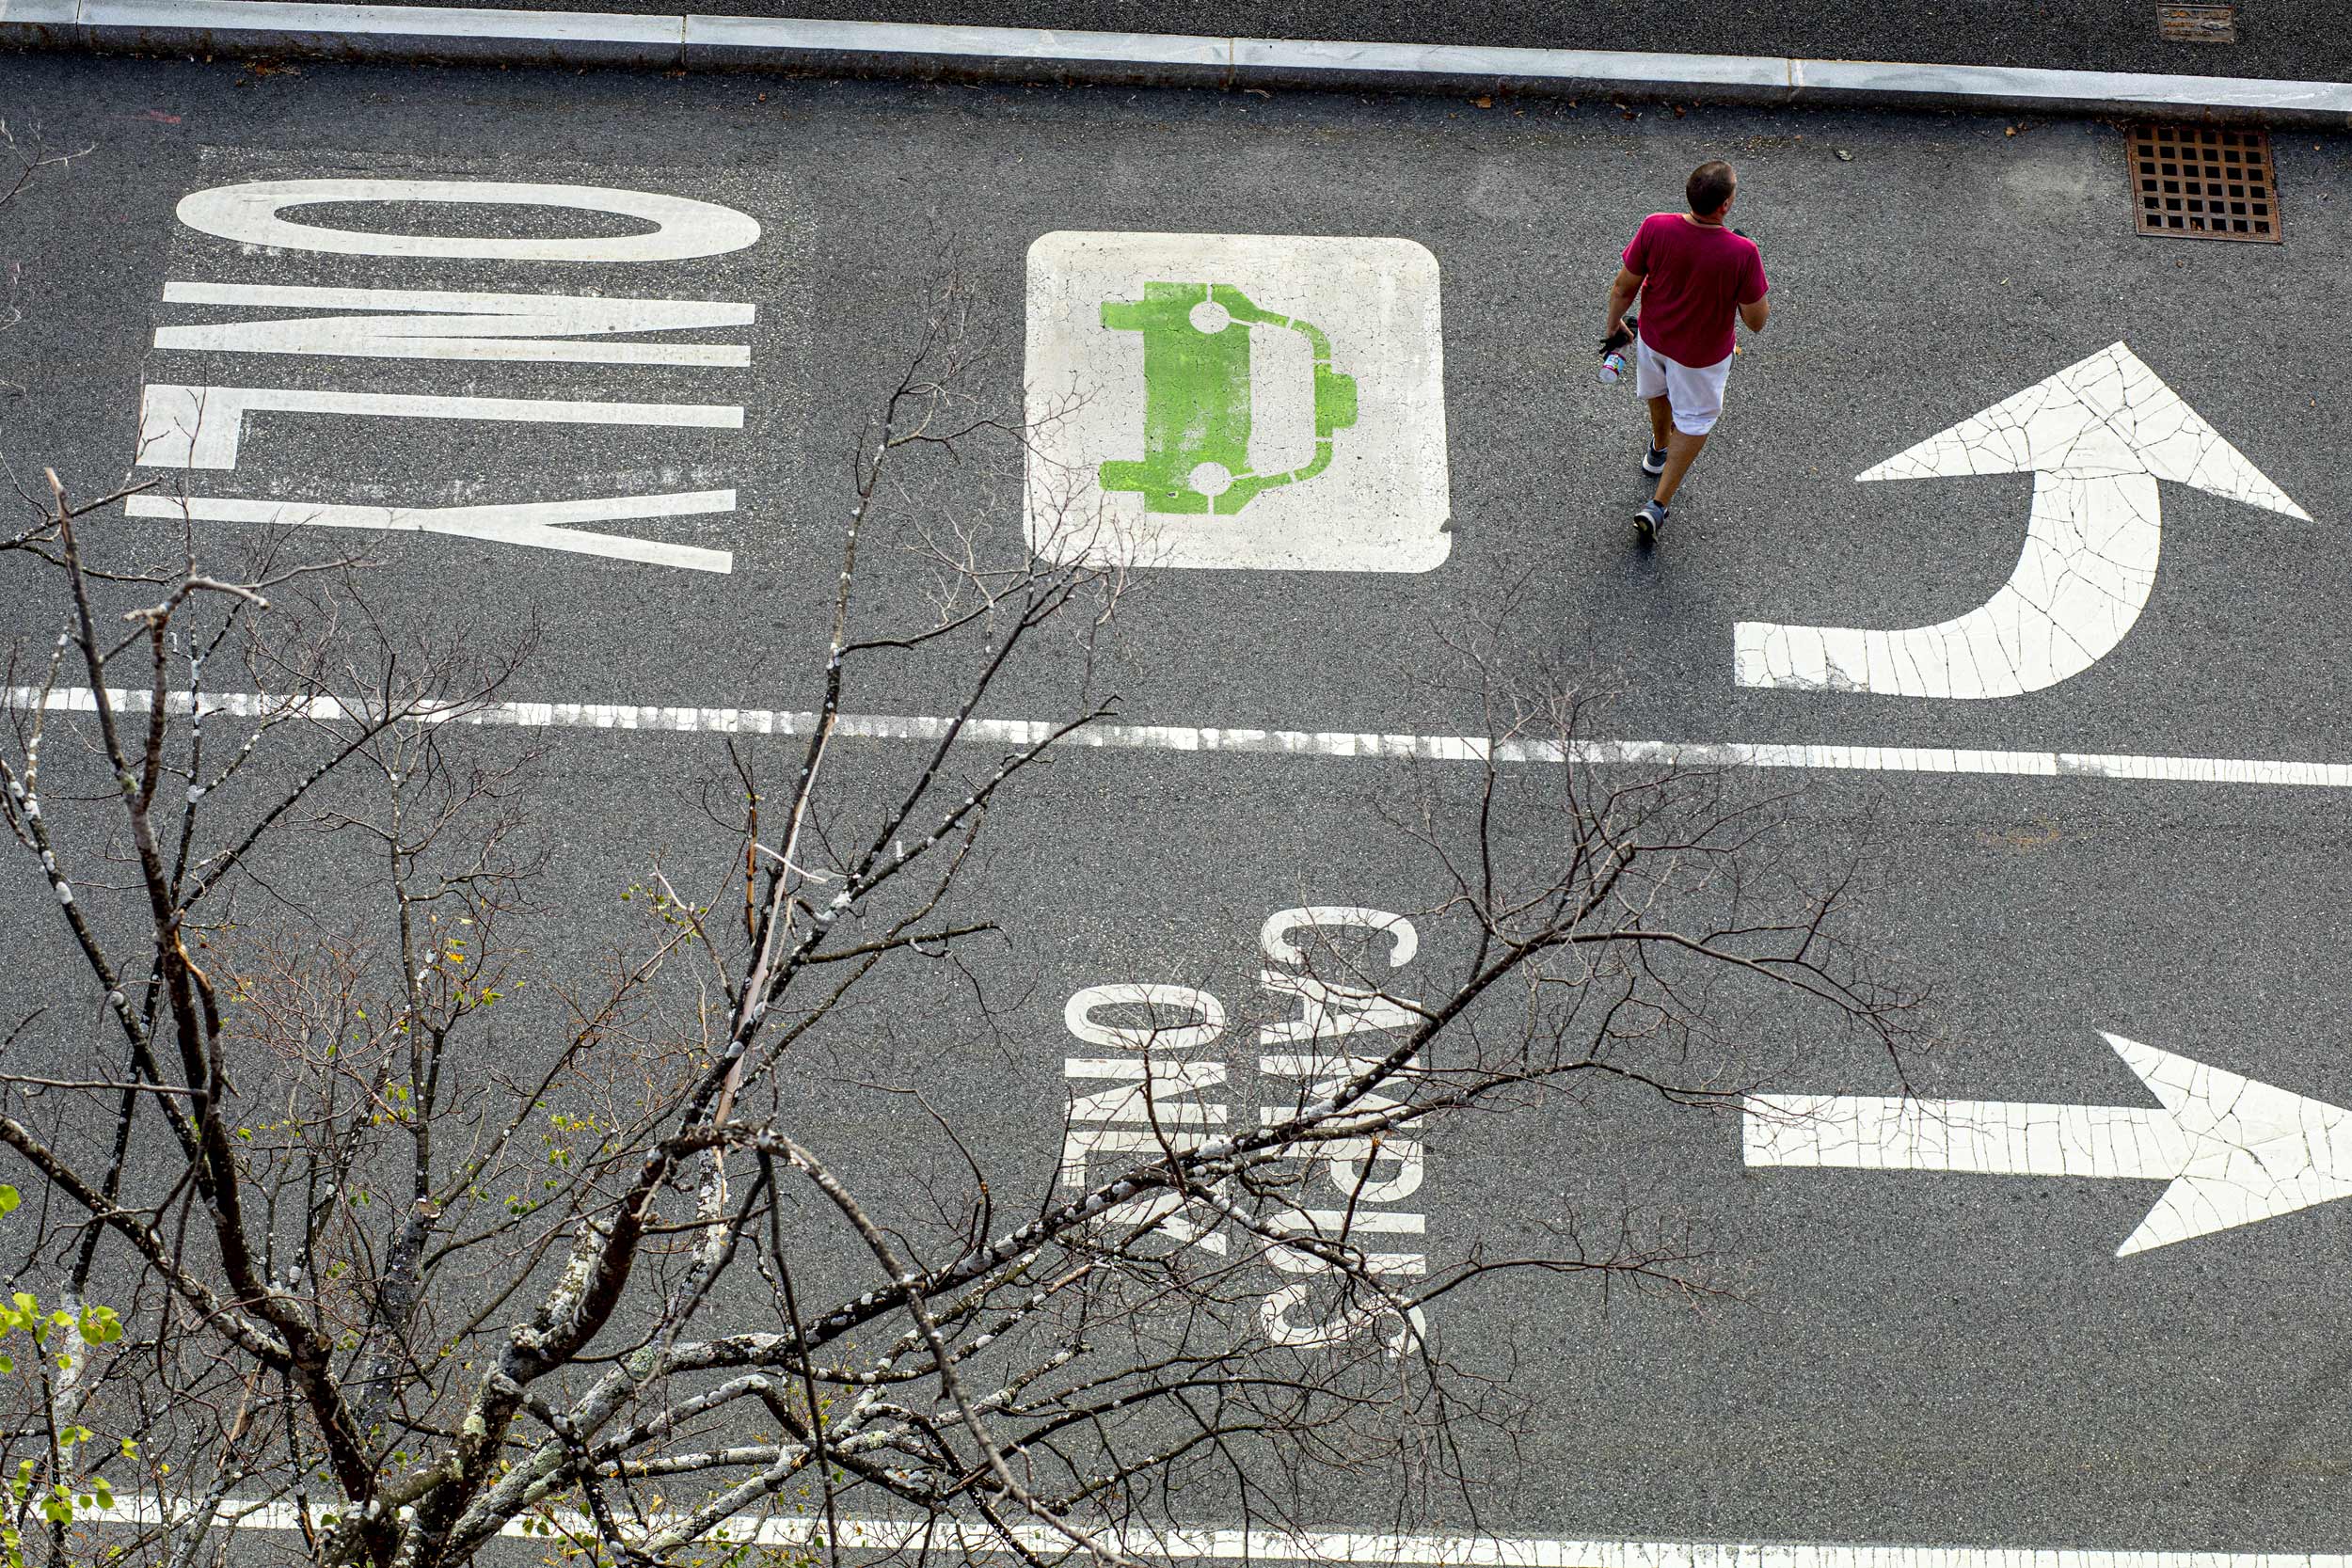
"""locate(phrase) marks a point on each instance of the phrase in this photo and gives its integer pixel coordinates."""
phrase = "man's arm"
(1621, 296)
(1756, 314)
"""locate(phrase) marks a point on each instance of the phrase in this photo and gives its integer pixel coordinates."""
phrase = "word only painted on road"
(203, 431)
(1164, 1090)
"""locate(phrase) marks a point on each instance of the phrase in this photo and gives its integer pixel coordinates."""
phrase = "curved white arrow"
(2235, 1151)
(2096, 436)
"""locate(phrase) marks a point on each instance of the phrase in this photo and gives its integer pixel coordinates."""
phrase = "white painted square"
(1375, 501)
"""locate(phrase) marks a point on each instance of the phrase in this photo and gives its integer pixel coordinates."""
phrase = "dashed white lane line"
(1317, 743)
(1374, 1550)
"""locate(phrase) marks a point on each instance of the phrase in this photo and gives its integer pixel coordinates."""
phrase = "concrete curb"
(429, 34)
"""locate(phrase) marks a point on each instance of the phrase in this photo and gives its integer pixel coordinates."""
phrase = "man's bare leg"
(1660, 421)
(1680, 449)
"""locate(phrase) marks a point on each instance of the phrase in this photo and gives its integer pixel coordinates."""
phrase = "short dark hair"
(1709, 188)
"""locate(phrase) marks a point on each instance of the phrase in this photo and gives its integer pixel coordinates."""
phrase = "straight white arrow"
(2235, 1151)
(2096, 436)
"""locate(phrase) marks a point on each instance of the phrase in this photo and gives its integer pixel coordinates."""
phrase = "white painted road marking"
(539, 523)
(442, 323)
(1269, 403)
(1366, 1547)
(1314, 744)
(200, 427)
(2096, 436)
(2233, 1150)
(683, 227)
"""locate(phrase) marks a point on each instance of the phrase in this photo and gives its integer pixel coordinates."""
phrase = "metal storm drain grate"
(2204, 181)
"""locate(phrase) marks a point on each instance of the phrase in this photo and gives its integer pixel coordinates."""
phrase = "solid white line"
(1375, 1550)
(1316, 743)
(426, 32)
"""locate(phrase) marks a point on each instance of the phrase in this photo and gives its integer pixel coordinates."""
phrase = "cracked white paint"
(2235, 1151)
(541, 524)
(974, 1541)
(2096, 436)
(2257, 772)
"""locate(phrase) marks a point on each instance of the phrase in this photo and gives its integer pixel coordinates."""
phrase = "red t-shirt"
(1695, 277)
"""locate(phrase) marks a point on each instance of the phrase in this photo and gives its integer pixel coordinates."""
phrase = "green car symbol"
(1195, 424)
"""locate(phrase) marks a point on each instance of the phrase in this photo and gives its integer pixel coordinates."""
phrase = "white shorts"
(1696, 396)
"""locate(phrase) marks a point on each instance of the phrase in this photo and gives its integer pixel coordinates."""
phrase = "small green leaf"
(100, 1325)
(8, 1198)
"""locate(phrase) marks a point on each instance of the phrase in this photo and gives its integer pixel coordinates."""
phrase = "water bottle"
(1612, 362)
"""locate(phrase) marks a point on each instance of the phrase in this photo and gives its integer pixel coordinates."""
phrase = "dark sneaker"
(1648, 521)
(1654, 461)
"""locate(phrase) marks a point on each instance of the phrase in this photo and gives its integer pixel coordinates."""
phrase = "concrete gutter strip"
(2079, 91)
(938, 50)
(405, 33)
(423, 34)
(1305, 61)
(39, 22)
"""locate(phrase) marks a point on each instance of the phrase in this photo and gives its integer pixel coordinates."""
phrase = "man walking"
(1693, 275)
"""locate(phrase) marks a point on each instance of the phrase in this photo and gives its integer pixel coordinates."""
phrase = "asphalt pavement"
(1930, 1358)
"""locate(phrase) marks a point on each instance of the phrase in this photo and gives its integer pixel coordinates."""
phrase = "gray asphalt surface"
(1915, 1358)
(2302, 39)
